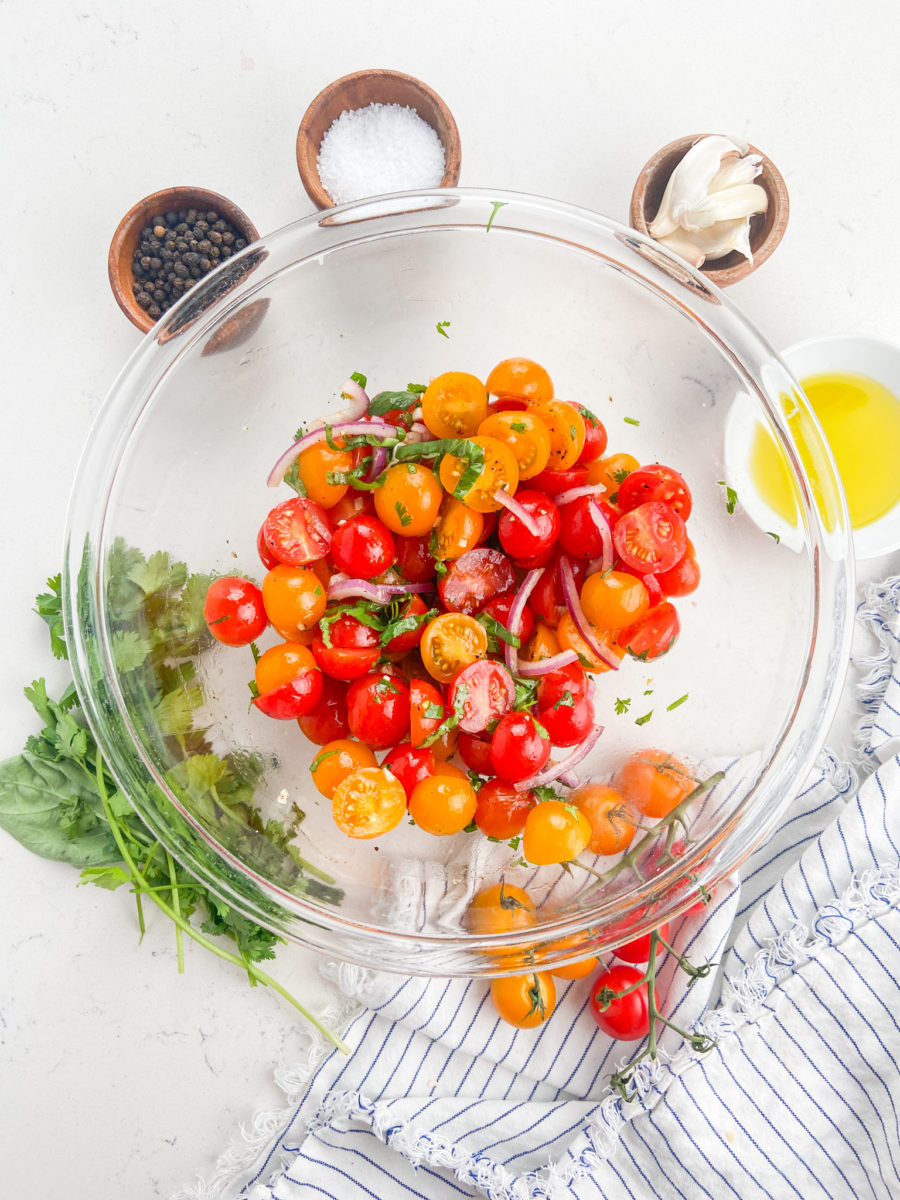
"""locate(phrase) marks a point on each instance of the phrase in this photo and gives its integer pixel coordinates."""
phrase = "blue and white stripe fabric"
(800, 1096)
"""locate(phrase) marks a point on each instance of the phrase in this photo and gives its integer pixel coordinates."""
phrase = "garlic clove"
(689, 182)
(735, 171)
(683, 245)
(741, 201)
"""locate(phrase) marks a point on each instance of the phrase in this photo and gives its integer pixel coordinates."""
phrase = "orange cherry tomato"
(368, 802)
(499, 470)
(520, 377)
(454, 405)
(554, 832)
(294, 598)
(655, 781)
(442, 804)
(450, 770)
(610, 817)
(281, 664)
(426, 710)
(565, 424)
(575, 970)
(571, 639)
(614, 599)
(526, 436)
(450, 642)
(610, 471)
(458, 529)
(501, 907)
(524, 1000)
(338, 759)
(543, 643)
(409, 500)
(314, 465)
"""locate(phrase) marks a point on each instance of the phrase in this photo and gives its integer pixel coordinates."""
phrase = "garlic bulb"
(708, 202)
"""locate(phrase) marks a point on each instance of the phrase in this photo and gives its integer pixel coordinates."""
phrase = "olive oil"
(861, 421)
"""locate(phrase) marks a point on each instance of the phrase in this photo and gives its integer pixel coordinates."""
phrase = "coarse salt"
(376, 149)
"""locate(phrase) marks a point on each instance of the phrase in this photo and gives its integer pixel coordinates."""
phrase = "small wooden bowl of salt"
(375, 132)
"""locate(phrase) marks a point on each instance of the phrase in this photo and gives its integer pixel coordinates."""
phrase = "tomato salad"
(460, 563)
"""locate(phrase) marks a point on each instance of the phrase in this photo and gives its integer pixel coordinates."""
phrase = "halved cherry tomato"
(475, 578)
(401, 643)
(611, 818)
(414, 559)
(498, 471)
(336, 760)
(442, 804)
(297, 532)
(684, 577)
(501, 810)
(482, 692)
(234, 611)
(499, 908)
(368, 803)
(378, 709)
(651, 537)
(328, 720)
(363, 547)
(475, 753)
(526, 436)
(638, 950)
(571, 639)
(625, 1017)
(450, 642)
(519, 747)
(458, 529)
(565, 425)
(314, 466)
(499, 609)
(294, 699)
(408, 501)
(655, 482)
(611, 471)
(294, 598)
(653, 634)
(516, 538)
(266, 557)
(507, 404)
(427, 710)
(280, 664)
(613, 599)
(353, 651)
(568, 721)
(555, 832)
(454, 405)
(410, 764)
(595, 436)
(581, 534)
(524, 1000)
(655, 781)
(520, 377)
(554, 482)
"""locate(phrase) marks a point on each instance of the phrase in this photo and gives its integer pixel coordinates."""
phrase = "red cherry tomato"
(650, 581)
(655, 482)
(266, 557)
(234, 611)
(475, 578)
(554, 482)
(568, 721)
(481, 692)
(595, 437)
(378, 710)
(638, 950)
(328, 720)
(536, 561)
(427, 711)
(353, 651)
(297, 532)
(475, 753)
(415, 561)
(499, 609)
(580, 535)
(650, 538)
(653, 634)
(501, 810)
(294, 699)
(516, 538)
(683, 578)
(410, 764)
(362, 547)
(565, 682)
(624, 1017)
(547, 601)
(508, 404)
(407, 640)
(519, 747)
(351, 505)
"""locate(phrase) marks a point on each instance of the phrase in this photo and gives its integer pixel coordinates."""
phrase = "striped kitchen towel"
(800, 1095)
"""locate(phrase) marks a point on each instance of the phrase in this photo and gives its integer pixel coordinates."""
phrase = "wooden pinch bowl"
(128, 235)
(358, 91)
(766, 229)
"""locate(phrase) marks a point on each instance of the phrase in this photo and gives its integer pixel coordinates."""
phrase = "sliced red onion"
(379, 429)
(517, 608)
(379, 462)
(598, 516)
(343, 588)
(557, 770)
(533, 670)
(589, 489)
(419, 432)
(354, 411)
(582, 624)
(569, 779)
(511, 504)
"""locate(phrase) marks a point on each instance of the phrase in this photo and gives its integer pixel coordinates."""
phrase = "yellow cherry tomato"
(554, 832)
(314, 465)
(454, 405)
(610, 471)
(450, 770)
(571, 639)
(409, 500)
(520, 377)
(443, 804)
(458, 529)
(338, 759)
(525, 434)
(543, 643)
(282, 664)
(499, 470)
(294, 599)
(450, 642)
(577, 970)
(613, 599)
(524, 1000)
(499, 908)
(565, 424)
(368, 802)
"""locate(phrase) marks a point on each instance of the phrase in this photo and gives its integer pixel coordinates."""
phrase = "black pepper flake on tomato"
(474, 579)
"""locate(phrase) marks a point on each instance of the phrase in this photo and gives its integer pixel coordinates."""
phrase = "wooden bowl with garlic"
(718, 203)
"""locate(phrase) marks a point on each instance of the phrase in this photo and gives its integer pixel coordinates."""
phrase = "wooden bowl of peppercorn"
(167, 242)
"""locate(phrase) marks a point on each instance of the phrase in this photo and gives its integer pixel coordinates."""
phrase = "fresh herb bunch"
(59, 800)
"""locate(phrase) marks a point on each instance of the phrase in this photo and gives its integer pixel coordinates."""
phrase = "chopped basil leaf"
(776, 536)
(675, 703)
(630, 421)
(518, 427)
(526, 693)
(566, 700)
(433, 711)
(293, 480)
(386, 402)
(644, 719)
(359, 378)
(730, 496)
(320, 758)
(451, 722)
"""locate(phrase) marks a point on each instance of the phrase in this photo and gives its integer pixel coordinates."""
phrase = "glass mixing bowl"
(172, 488)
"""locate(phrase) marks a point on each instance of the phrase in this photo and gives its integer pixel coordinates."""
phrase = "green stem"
(258, 975)
(176, 908)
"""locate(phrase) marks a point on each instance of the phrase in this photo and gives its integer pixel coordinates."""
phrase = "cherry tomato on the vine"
(234, 611)
(524, 1000)
(638, 949)
(610, 816)
(499, 908)
(654, 781)
(625, 1017)
(519, 747)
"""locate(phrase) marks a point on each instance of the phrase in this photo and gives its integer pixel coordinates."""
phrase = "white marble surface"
(117, 1076)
